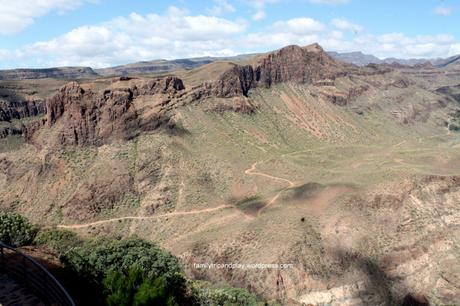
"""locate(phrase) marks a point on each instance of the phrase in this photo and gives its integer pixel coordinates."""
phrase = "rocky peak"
(294, 63)
(57, 105)
(302, 65)
(314, 48)
(169, 84)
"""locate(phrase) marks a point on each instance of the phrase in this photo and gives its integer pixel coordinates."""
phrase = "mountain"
(315, 180)
(56, 73)
(361, 59)
(158, 66)
(356, 58)
(442, 63)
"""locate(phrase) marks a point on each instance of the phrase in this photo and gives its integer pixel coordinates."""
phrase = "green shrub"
(57, 240)
(93, 260)
(134, 289)
(205, 295)
(15, 230)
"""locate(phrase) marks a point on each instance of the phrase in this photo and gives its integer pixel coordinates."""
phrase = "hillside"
(45, 73)
(158, 66)
(349, 174)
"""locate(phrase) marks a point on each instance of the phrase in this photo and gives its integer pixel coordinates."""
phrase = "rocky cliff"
(303, 65)
(85, 116)
(82, 116)
(10, 110)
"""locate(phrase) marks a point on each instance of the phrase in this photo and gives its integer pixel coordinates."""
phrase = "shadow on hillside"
(379, 283)
(174, 129)
(304, 191)
(250, 205)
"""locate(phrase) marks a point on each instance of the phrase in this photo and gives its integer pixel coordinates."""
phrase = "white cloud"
(139, 37)
(221, 7)
(259, 6)
(386, 45)
(345, 25)
(17, 15)
(330, 2)
(177, 33)
(454, 49)
(299, 26)
(443, 10)
(402, 46)
(300, 31)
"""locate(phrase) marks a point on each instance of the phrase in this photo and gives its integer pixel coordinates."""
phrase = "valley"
(351, 174)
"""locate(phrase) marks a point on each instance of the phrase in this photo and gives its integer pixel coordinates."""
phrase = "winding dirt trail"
(253, 171)
(250, 171)
(177, 213)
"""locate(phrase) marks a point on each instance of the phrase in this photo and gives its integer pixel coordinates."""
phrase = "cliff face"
(10, 110)
(15, 107)
(82, 117)
(87, 117)
(290, 64)
(301, 65)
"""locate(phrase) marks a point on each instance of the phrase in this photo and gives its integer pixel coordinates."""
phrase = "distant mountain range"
(158, 66)
(161, 66)
(361, 59)
(55, 73)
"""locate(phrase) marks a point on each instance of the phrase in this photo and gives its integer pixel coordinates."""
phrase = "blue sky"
(99, 33)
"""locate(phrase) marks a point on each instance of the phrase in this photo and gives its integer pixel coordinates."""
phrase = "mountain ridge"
(165, 66)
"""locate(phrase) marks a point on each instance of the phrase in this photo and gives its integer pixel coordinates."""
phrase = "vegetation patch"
(206, 295)
(59, 241)
(15, 230)
(11, 143)
(134, 288)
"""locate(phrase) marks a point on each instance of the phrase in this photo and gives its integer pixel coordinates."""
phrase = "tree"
(109, 263)
(135, 289)
(15, 230)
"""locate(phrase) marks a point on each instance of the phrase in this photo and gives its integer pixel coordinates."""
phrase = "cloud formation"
(17, 15)
(140, 37)
(345, 25)
(221, 7)
(176, 33)
(259, 6)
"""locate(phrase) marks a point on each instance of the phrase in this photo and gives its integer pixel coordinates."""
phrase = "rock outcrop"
(10, 110)
(81, 116)
(303, 65)
(168, 85)
(14, 108)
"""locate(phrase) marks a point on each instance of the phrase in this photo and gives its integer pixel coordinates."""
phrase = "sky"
(103, 33)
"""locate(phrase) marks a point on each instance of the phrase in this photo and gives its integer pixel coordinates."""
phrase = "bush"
(205, 295)
(97, 259)
(15, 230)
(135, 289)
(57, 240)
